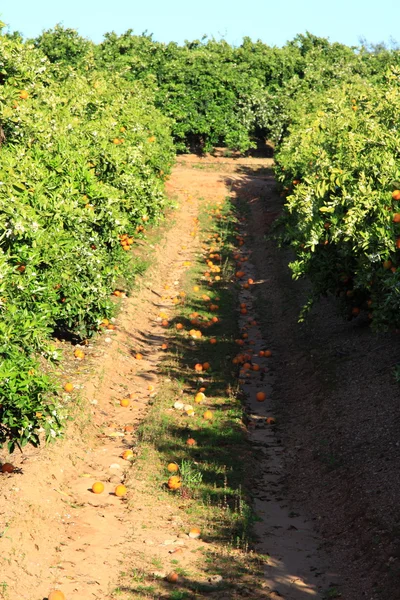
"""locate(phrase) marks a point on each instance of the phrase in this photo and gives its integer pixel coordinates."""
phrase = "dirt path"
(55, 533)
(324, 486)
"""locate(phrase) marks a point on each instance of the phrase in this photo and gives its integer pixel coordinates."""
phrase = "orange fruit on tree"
(396, 195)
(23, 95)
(173, 468)
(7, 468)
(198, 367)
(68, 387)
(56, 595)
(125, 402)
(174, 482)
(261, 396)
(396, 218)
(120, 490)
(98, 487)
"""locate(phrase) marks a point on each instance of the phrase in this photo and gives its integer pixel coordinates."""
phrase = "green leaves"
(67, 193)
(340, 219)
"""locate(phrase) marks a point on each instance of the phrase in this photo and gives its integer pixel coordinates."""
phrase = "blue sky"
(274, 22)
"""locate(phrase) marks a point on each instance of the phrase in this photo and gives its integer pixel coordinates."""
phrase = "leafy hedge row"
(83, 161)
(340, 169)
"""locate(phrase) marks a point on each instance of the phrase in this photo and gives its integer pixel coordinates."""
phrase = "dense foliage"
(83, 160)
(88, 134)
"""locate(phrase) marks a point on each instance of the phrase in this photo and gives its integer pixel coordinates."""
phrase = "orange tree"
(338, 168)
(84, 159)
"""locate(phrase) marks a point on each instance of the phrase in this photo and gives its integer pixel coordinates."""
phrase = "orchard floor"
(326, 485)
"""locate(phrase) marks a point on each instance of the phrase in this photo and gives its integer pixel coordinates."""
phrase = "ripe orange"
(7, 468)
(206, 366)
(191, 442)
(172, 577)
(138, 356)
(396, 218)
(194, 533)
(56, 595)
(179, 326)
(164, 323)
(164, 346)
(173, 468)
(125, 402)
(98, 487)
(79, 354)
(68, 387)
(208, 415)
(396, 195)
(23, 95)
(127, 455)
(213, 341)
(261, 396)
(267, 353)
(198, 367)
(120, 490)
(174, 482)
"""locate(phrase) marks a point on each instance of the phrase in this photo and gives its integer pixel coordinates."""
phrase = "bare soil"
(327, 484)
